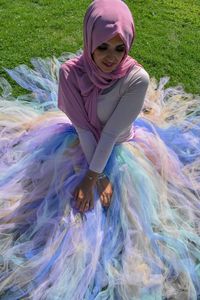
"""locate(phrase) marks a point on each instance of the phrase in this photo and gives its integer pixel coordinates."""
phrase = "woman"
(56, 240)
(107, 41)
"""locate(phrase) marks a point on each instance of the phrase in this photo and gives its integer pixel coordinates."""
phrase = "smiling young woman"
(101, 200)
(109, 54)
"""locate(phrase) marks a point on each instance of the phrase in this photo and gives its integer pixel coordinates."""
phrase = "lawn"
(167, 41)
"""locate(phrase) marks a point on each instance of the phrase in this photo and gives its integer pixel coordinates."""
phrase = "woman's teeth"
(108, 64)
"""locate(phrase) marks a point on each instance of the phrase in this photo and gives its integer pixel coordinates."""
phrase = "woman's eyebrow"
(120, 45)
(106, 44)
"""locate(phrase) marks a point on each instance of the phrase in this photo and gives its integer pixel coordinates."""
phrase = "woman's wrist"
(92, 176)
(101, 176)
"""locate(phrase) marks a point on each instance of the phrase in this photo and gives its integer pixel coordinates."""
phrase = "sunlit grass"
(167, 41)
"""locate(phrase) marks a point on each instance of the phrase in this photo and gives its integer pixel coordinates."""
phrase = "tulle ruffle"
(145, 246)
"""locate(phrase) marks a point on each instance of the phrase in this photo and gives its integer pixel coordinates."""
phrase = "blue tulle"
(144, 246)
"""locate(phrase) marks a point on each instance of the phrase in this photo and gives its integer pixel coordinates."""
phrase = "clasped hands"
(84, 192)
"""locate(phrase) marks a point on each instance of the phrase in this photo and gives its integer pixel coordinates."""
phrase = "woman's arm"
(124, 114)
(122, 117)
(87, 142)
(83, 192)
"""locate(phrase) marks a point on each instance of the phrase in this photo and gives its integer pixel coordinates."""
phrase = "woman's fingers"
(83, 196)
(74, 200)
(91, 204)
(105, 199)
(83, 204)
(79, 200)
(87, 206)
(105, 196)
(75, 194)
(102, 199)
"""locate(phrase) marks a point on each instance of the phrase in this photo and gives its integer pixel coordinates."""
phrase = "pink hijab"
(80, 80)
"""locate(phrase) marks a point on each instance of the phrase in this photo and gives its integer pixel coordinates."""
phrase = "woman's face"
(109, 54)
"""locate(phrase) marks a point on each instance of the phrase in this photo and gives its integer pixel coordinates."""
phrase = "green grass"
(167, 41)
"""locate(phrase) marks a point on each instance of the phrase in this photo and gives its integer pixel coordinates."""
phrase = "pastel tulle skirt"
(145, 246)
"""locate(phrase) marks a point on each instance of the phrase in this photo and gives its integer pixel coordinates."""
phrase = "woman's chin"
(106, 69)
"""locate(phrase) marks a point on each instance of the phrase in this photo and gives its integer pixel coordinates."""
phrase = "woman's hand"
(105, 190)
(83, 194)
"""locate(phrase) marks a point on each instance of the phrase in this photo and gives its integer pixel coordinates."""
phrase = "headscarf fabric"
(81, 81)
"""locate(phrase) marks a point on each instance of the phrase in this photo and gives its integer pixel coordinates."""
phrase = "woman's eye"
(122, 49)
(102, 48)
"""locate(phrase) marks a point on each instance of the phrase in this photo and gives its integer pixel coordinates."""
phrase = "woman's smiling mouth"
(109, 65)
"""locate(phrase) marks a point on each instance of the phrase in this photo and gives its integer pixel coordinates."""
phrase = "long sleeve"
(122, 117)
(87, 141)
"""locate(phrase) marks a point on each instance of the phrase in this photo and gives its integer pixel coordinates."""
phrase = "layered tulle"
(145, 246)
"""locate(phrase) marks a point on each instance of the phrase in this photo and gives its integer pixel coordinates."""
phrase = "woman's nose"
(110, 55)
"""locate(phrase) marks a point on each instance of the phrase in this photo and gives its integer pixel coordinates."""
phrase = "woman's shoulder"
(137, 76)
(71, 65)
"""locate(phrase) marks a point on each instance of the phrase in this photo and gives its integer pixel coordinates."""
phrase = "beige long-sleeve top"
(117, 108)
